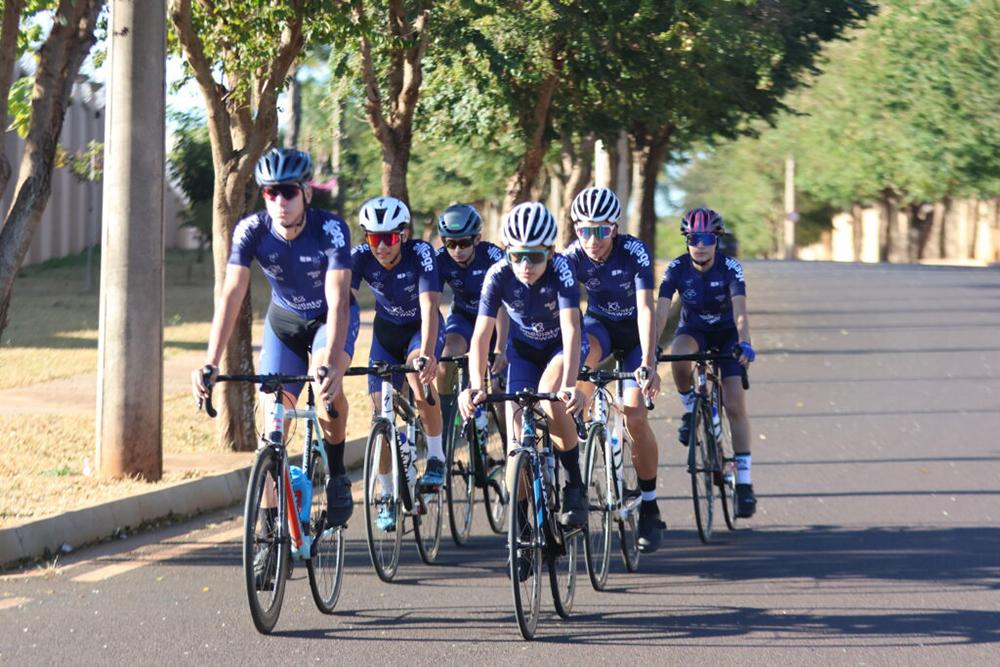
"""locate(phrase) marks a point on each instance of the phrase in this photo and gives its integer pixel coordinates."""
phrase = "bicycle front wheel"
(562, 572)
(326, 562)
(460, 481)
(726, 477)
(493, 454)
(700, 468)
(428, 518)
(628, 529)
(265, 554)
(383, 519)
(597, 547)
(524, 547)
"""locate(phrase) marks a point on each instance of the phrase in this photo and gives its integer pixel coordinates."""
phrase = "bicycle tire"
(700, 468)
(428, 504)
(494, 465)
(460, 483)
(628, 527)
(383, 546)
(326, 562)
(258, 571)
(726, 480)
(562, 572)
(597, 546)
(524, 541)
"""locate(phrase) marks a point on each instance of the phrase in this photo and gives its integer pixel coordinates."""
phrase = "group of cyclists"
(515, 308)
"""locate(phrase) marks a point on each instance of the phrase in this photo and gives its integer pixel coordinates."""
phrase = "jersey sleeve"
(358, 257)
(639, 256)
(494, 253)
(338, 238)
(244, 241)
(567, 290)
(669, 284)
(490, 298)
(737, 286)
(439, 256)
(427, 272)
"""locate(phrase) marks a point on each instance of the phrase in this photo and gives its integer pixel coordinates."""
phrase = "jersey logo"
(715, 283)
(562, 268)
(495, 254)
(426, 258)
(593, 283)
(616, 272)
(735, 267)
(273, 257)
(336, 234)
(477, 272)
(313, 274)
(689, 295)
(634, 246)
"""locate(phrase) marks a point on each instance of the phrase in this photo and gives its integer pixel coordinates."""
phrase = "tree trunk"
(336, 167)
(533, 126)
(396, 163)
(622, 162)
(59, 61)
(648, 153)
(8, 54)
(294, 110)
(857, 229)
(578, 161)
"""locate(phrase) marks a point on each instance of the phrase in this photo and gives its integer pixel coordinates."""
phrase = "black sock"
(648, 506)
(335, 453)
(570, 462)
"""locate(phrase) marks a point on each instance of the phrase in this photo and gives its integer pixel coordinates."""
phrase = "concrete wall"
(72, 218)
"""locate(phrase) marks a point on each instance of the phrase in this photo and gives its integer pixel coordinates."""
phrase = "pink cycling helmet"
(702, 220)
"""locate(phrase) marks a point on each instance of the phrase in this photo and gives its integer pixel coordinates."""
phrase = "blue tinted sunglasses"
(703, 238)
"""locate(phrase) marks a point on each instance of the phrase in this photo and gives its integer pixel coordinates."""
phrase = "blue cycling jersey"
(611, 284)
(706, 298)
(467, 282)
(397, 290)
(533, 309)
(296, 269)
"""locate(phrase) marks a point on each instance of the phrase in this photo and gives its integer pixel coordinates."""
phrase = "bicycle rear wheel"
(562, 572)
(326, 563)
(524, 547)
(597, 546)
(628, 526)
(726, 478)
(383, 544)
(265, 554)
(427, 513)
(460, 480)
(700, 468)
(494, 466)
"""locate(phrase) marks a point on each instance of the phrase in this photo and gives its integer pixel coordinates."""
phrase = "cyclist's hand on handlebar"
(330, 382)
(745, 354)
(499, 363)
(649, 381)
(198, 388)
(428, 372)
(574, 399)
(468, 400)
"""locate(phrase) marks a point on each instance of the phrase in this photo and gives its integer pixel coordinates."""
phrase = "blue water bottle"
(302, 490)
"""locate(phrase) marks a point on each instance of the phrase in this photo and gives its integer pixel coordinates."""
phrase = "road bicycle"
(476, 459)
(279, 525)
(394, 461)
(534, 534)
(710, 463)
(610, 476)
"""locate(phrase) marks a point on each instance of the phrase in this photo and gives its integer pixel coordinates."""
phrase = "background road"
(876, 409)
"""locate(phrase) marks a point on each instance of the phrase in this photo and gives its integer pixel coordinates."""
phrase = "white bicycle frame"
(388, 412)
(606, 404)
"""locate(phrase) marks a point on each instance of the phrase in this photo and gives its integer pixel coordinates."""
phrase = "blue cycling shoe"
(386, 519)
(434, 473)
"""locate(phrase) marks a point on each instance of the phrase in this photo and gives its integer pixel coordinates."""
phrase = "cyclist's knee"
(635, 417)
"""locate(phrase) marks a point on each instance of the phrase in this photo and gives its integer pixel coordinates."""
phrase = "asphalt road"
(876, 413)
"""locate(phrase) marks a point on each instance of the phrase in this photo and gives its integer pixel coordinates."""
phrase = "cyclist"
(403, 276)
(463, 261)
(617, 271)
(713, 300)
(542, 299)
(305, 254)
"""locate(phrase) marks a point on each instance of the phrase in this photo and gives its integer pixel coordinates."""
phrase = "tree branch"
(8, 54)
(373, 99)
(406, 102)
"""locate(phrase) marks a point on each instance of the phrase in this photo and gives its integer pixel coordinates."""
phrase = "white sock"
(434, 448)
(649, 496)
(385, 481)
(687, 400)
(743, 469)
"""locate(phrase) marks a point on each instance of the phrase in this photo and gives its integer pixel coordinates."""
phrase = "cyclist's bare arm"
(337, 287)
(648, 326)
(569, 322)
(662, 315)
(430, 303)
(227, 308)
(503, 329)
(742, 318)
(478, 359)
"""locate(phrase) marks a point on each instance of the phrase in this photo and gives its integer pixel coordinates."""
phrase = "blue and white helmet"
(596, 205)
(458, 221)
(284, 165)
(528, 224)
(383, 214)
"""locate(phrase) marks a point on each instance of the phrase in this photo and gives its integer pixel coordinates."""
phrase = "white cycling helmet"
(596, 205)
(529, 224)
(383, 214)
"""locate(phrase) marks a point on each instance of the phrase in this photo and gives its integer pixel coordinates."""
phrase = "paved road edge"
(79, 528)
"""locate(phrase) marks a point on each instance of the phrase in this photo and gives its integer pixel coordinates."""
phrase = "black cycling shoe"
(523, 568)
(746, 502)
(651, 528)
(574, 506)
(684, 432)
(339, 502)
(265, 563)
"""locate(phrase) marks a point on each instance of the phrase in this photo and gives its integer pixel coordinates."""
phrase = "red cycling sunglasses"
(286, 191)
(386, 238)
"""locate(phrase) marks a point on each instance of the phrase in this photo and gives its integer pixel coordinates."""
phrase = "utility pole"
(130, 348)
(791, 215)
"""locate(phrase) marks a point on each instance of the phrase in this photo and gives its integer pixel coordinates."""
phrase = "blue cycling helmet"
(459, 220)
(284, 165)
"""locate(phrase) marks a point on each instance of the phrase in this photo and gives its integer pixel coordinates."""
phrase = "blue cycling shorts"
(616, 337)
(723, 341)
(526, 363)
(393, 343)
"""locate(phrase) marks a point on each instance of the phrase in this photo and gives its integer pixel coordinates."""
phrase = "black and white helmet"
(383, 214)
(458, 221)
(529, 224)
(596, 205)
(284, 165)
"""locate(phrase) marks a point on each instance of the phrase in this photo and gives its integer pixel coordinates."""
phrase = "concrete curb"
(91, 524)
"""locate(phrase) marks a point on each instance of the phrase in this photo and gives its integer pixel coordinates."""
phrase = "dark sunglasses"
(452, 244)
(704, 238)
(529, 256)
(600, 232)
(287, 192)
(387, 238)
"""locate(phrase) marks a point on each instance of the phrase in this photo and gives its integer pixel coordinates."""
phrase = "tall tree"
(9, 22)
(59, 59)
